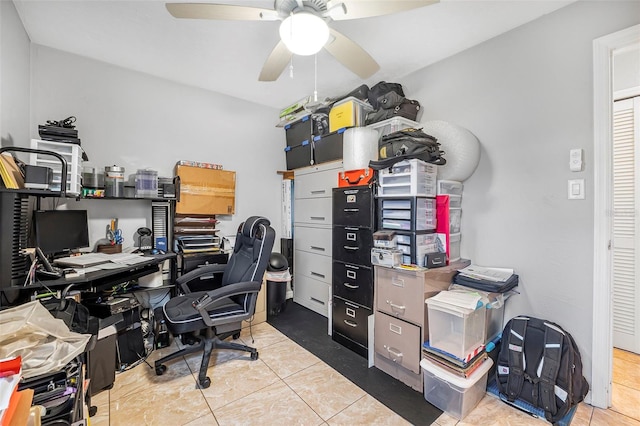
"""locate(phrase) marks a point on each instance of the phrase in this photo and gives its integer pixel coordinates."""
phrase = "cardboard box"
(206, 191)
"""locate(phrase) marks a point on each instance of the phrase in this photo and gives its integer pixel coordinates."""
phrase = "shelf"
(124, 198)
(34, 192)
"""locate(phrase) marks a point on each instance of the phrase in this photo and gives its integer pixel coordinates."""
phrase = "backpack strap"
(517, 361)
(548, 373)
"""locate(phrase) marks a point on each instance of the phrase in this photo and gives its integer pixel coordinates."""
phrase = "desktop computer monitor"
(60, 231)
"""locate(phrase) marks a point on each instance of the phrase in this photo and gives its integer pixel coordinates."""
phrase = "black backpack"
(406, 144)
(540, 363)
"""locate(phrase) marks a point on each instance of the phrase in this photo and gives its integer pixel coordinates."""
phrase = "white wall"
(138, 121)
(14, 78)
(527, 95)
(626, 69)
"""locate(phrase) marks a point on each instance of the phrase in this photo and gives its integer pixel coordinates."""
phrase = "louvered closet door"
(626, 220)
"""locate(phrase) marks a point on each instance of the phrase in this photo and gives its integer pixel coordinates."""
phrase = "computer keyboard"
(84, 260)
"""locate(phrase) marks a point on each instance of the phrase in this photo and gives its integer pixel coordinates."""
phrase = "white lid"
(393, 120)
(363, 104)
(458, 381)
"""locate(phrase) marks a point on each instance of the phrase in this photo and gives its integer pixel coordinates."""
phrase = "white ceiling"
(227, 56)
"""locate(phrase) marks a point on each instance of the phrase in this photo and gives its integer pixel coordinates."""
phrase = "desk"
(104, 278)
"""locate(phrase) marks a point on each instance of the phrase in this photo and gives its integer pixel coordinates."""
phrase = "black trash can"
(277, 278)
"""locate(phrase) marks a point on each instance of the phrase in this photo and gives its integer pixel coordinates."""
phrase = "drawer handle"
(316, 300)
(317, 274)
(319, 191)
(317, 217)
(351, 210)
(395, 329)
(351, 286)
(397, 282)
(350, 248)
(397, 356)
(396, 307)
(350, 323)
(317, 248)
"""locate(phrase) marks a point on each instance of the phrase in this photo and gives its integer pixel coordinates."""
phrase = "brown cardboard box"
(206, 191)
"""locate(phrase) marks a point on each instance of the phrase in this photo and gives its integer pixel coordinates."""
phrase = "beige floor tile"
(234, 380)
(276, 404)
(325, 390)
(218, 356)
(287, 358)
(609, 418)
(625, 355)
(101, 402)
(626, 373)
(264, 334)
(367, 411)
(206, 420)
(445, 420)
(141, 377)
(174, 403)
(583, 415)
(625, 401)
(492, 411)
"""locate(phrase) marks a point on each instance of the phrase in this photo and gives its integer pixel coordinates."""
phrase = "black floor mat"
(309, 330)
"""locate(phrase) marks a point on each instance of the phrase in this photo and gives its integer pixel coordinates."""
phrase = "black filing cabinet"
(352, 275)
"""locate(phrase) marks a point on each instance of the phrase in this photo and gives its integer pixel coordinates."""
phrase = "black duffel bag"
(382, 88)
(406, 144)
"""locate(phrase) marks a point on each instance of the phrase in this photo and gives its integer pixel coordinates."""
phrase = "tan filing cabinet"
(401, 325)
(261, 307)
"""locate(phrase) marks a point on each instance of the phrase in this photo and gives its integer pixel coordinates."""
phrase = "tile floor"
(289, 385)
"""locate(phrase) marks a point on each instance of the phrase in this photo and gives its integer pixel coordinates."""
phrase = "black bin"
(277, 278)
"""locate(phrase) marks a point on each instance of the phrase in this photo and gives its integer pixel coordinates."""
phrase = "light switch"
(575, 160)
(576, 189)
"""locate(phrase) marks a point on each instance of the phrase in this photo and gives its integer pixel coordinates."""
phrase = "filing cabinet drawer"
(353, 282)
(316, 181)
(398, 341)
(312, 239)
(313, 266)
(352, 244)
(315, 211)
(353, 206)
(401, 294)
(351, 320)
(312, 294)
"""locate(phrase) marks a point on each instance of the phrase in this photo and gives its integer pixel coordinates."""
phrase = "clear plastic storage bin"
(392, 125)
(455, 201)
(454, 220)
(72, 153)
(454, 395)
(454, 329)
(454, 247)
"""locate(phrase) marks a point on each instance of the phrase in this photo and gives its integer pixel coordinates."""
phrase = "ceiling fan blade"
(351, 55)
(276, 63)
(220, 11)
(356, 9)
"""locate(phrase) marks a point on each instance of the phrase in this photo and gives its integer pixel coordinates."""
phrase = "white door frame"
(602, 338)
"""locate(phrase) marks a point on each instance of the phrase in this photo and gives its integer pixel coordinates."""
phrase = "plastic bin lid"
(457, 381)
(392, 120)
(363, 104)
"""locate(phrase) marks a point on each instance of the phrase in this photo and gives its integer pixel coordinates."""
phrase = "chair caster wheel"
(93, 410)
(205, 383)
(254, 355)
(236, 336)
(160, 370)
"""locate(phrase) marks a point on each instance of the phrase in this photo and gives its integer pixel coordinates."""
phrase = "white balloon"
(461, 149)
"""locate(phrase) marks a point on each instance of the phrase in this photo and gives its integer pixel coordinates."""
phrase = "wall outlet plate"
(576, 189)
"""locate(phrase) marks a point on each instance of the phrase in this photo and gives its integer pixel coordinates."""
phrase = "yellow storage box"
(349, 112)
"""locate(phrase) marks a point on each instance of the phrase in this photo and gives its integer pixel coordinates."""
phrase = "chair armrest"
(185, 279)
(236, 289)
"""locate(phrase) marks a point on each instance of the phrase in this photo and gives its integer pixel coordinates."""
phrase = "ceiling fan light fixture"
(304, 33)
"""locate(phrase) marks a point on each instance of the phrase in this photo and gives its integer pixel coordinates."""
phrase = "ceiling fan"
(305, 27)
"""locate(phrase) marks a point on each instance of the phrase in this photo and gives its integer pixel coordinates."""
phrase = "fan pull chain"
(291, 67)
(315, 78)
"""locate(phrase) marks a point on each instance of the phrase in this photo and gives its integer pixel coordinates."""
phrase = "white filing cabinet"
(312, 235)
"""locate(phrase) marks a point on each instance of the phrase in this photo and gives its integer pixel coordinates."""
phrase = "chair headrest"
(251, 225)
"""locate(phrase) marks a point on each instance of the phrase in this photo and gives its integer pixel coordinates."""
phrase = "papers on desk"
(117, 260)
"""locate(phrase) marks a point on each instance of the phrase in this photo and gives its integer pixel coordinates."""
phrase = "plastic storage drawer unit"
(408, 178)
(454, 395)
(449, 187)
(410, 214)
(454, 329)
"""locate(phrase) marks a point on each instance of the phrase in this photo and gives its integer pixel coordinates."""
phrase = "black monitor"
(59, 231)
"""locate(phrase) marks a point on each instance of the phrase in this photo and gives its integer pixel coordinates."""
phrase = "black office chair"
(217, 314)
